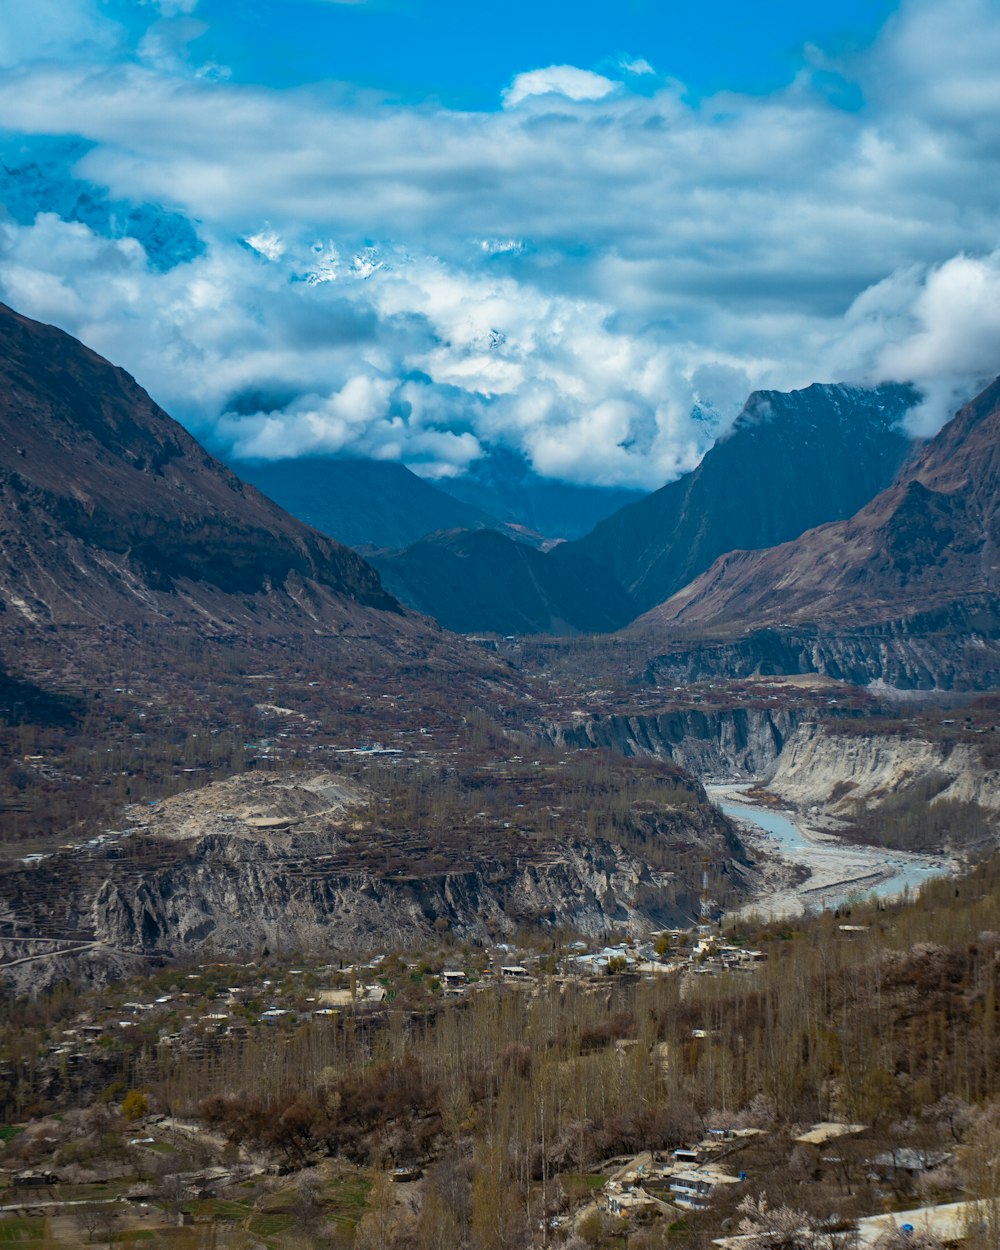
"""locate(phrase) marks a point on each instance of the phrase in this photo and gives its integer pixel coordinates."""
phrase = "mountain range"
(366, 504)
(790, 462)
(929, 541)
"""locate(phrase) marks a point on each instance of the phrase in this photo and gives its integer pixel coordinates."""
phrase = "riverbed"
(838, 871)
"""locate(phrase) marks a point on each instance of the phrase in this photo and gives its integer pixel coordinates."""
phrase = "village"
(129, 1163)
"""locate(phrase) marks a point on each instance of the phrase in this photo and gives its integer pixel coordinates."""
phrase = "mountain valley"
(309, 882)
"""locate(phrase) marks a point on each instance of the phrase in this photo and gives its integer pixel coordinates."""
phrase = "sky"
(425, 230)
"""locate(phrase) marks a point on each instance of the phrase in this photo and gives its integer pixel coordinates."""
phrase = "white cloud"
(635, 65)
(564, 80)
(569, 280)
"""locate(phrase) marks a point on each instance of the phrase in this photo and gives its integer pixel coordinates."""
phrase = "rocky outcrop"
(222, 901)
(298, 861)
(724, 743)
(837, 771)
(952, 647)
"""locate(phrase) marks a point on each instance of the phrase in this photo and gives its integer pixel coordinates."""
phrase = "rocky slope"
(932, 539)
(838, 772)
(790, 462)
(290, 861)
(111, 512)
(954, 647)
(730, 743)
(907, 591)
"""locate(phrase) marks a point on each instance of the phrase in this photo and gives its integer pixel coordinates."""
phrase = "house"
(907, 1162)
(34, 1180)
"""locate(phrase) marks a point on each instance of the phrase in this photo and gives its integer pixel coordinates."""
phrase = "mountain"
(111, 512)
(931, 538)
(506, 486)
(37, 176)
(362, 503)
(791, 461)
(906, 591)
(482, 581)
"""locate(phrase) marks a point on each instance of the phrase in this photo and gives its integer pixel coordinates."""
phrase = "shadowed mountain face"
(474, 581)
(111, 512)
(363, 503)
(928, 546)
(508, 488)
(792, 461)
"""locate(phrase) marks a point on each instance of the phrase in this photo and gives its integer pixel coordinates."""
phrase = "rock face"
(484, 582)
(728, 743)
(111, 512)
(906, 592)
(288, 862)
(954, 647)
(792, 461)
(837, 771)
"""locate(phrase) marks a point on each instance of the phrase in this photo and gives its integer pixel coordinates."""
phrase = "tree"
(135, 1106)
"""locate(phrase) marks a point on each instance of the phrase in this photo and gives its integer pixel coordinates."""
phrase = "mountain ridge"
(791, 461)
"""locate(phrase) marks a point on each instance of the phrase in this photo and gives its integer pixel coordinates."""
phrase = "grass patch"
(9, 1131)
(219, 1209)
(345, 1198)
(91, 1193)
(18, 1231)
(270, 1225)
(586, 1179)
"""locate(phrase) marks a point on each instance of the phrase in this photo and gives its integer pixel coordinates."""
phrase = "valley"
(325, 924)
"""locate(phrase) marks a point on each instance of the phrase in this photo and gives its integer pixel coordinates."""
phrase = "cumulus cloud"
(563, 80)
(593, 275)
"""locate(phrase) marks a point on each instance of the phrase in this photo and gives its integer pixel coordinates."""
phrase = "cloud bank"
(570, 275)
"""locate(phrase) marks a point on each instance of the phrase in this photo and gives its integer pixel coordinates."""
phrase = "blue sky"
(422, 231)
(462, 53)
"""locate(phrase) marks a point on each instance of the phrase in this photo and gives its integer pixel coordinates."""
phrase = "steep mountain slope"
(791, 462)
(932, 538)
(473, 581)
(363, 503)
(111, 512)
(907, 591)
(508, 488)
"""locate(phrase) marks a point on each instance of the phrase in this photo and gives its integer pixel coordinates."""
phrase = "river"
(838, 870)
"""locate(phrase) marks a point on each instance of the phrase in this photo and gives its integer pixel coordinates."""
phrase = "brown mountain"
(931, 539)
(111, 513)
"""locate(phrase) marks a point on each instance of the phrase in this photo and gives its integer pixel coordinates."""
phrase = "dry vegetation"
(508, 1099)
